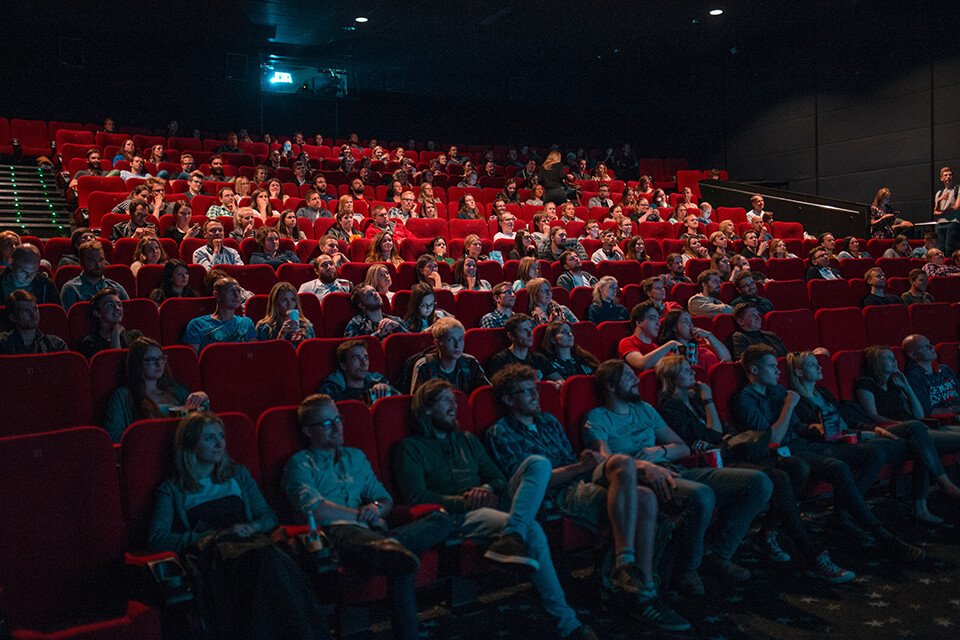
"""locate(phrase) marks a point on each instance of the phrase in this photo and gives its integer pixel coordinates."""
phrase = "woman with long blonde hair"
(284, 319)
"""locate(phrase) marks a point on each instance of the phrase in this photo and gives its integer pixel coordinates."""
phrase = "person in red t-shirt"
(641, 350)
(677, 326)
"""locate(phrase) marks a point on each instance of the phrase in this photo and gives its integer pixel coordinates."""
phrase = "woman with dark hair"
(211, 511)
(148, 251)
(106, 316)
(437, 249)
(395, 191)
(467, 208)
(260, 203)
(181, 227)
(701, 347)
(173, 282)
(287, 226)
(884, 222)
(382, 249)
(536, 196)
(566, 357)
(509, 194)
(688, 408)
(851, 249)
(275, 190)
(150, 391)
(894, 411)
(426, 272)
(284, 319)
(524, 246)
(720, 263)
(465, 276)
(126, 152)
(636, 249)
(343, 228)
(268, 249)
(422, 309)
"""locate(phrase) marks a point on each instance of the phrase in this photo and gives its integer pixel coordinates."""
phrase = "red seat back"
(318, 359)
(176, 313)
(220, 362)
(797, 328)
(937, 321)
(829, 294)
(887, 324)
(841, 329)
(44, 392)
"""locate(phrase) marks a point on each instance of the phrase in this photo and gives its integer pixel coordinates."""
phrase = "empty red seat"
(337, 312)
(737, 214)
(472, 306)
(856, 267)
(426, 227)
(64, 539)
(258, 278)
(846, 366)
(32, 134)
(841, 329)
(787, 230)
(399, 347)
(44, 392)
(786, 269)
(937, 321)
(797, 328)
(88, 184)
(887, 324)
(228, 391)
(484, 343)
(726, 378)
(830, 294)
(945, 289)
(53, 321)
(578, 396)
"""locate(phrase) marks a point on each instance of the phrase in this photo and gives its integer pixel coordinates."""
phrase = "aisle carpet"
(885, 601)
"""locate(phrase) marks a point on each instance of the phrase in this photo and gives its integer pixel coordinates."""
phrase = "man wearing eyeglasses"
(337, 485)
(587, 488)
(187, 167)
(407, 208)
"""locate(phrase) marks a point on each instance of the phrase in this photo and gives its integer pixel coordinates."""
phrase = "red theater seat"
(176, 313)
(937, 321)
(797, 328)
(52, 391)
(887, 324)
(841, 329)
(318, 359)
(63, 540)
(830, 294)
(228, 391)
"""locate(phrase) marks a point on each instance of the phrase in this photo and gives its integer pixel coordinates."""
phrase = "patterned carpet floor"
(885, 601)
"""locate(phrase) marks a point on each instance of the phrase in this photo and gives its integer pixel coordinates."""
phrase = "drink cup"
(713, 459)
(294, 315)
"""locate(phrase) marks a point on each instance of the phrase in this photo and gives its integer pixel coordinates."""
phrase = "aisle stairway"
(30, 202)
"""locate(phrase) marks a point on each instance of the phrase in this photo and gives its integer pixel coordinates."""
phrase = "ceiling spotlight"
(361, 19)
(716, 12)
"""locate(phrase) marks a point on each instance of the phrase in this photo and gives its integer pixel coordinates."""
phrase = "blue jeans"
(351, 543)
(526, 490)
(948, 236)
(738, 494)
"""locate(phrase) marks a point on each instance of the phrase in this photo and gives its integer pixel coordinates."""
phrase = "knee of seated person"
(536, 465)
(763, 484)
(621, 465)
(702, 499)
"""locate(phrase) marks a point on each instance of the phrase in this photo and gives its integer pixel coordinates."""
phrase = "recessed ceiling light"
(716, 12)
(361, 19)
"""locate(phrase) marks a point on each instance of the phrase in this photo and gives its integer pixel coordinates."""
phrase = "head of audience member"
(473, 247)
(558, 339)
(382, 248)
(918, 282)
(212, 232)
(503, 296)
(655, 290)
(106, 309)
(606, 290)
(378, 276)
(519, 330)
(558, 239)
(78, 237)
(645, 320)
(935, 256)
(778, 249)
(675, 376)
(608, 240)
(216, 166)
(706, 210)
(200, 451)
(437, 247)
(828, 242)
(637, 247)
(919, 349)
(751, 239)
(22, 311)
(425, 270)
(720, 263)
(465, 273)
(676, 325)
(146, 365)
(946, 177)
(139, 209)
(326, 268)
(287, 226)
(228, 295)
(879, 364)
(515, 386)
(603, 191)
(694, 249)
(448, 336)
(421, 308)
(282, 300)
(728, 229)
(353, 360)
(320, 422)
(675, 265)
(92, 260)
(756, 201)
(616, 383)
(24, 264)
(803, 369)
(539, 294)
(149, 251)
(195, 183)
(745, 284)
(759, 362)
(852, 246)
(93, 160)
(570, 261)
(709, 282)
(525, 244)
(174, 277)
(747, 316)
(876, 280)
(366, 299)
(433, 409)
(268, 240)
(819, 257)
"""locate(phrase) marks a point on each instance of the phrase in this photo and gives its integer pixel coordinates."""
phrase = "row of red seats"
(800, 329)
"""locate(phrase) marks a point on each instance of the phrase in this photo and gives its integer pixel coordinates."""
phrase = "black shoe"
(656, 612)
(509, 549)
(392, 558)
(846, 524)
(904, 551)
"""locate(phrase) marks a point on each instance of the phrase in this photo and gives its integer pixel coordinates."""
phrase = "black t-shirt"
(690, 423)
(743, 339)
(552, 178)
(891, 402)
(872, 299)
(534, 359)
(95, 342)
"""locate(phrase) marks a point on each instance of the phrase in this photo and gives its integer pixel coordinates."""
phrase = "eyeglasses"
(155, 361)
(326, 425)
(530, 392)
